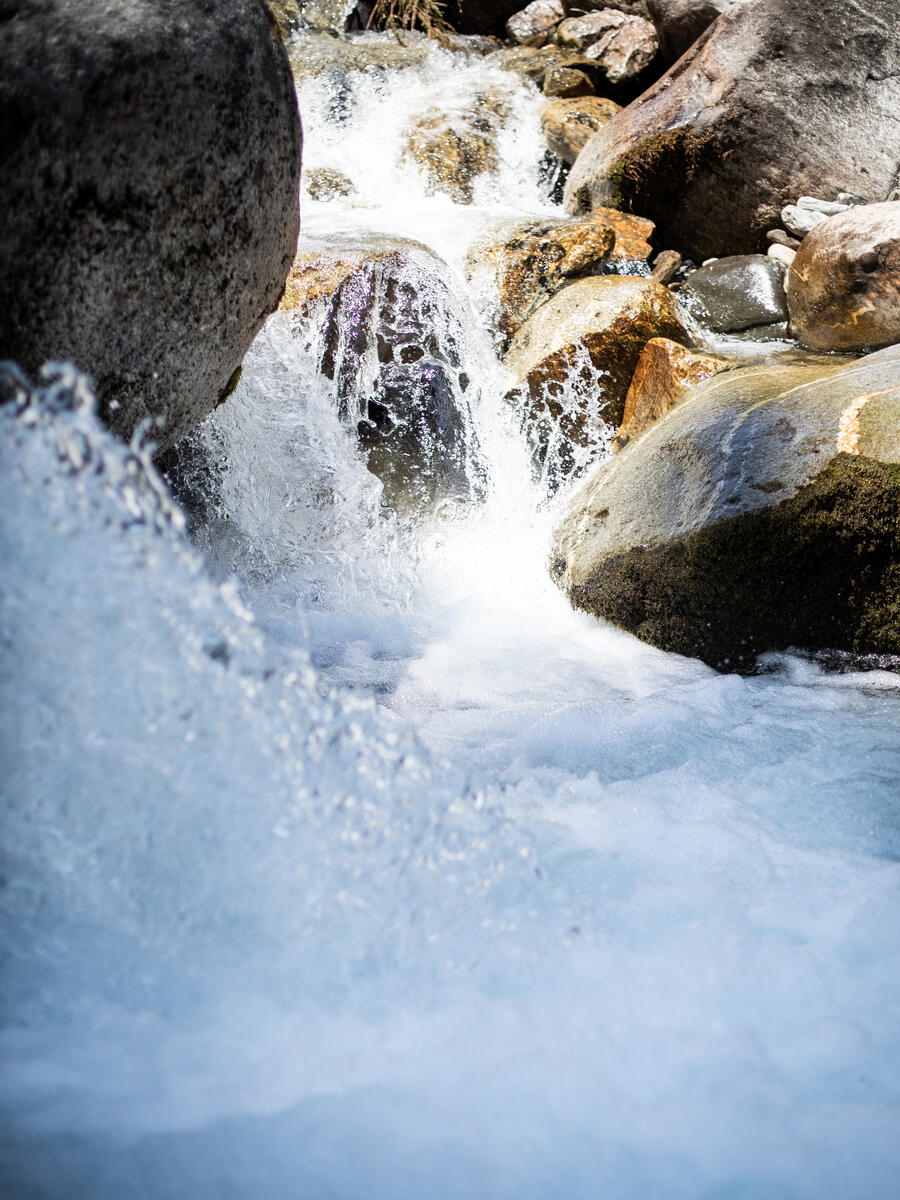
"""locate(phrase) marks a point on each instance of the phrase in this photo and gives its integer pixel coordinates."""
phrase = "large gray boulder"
(761, 513)
(149, 172)
(778, 99)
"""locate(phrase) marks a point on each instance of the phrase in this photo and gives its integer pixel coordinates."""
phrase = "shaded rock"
(150, 167)
(569, 124)
(324, 183)
(740, 292)
(844, 284)
(533, 260)
(666, 266)
(576, 354)
(452, 149)
(663, 377)
(763, 514)
(567, 82)
(779, 237)
(535, 23)
(625, 49)
(531, 61)
(829, 207)
(480, 16)
(679, 23)
(775, 100)
(388, 337)
(800, 221)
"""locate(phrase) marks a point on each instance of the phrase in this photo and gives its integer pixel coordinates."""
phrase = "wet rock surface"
(763, 513)
(663, 378)
(150, 165)
(452, 149)
(740, 292)
(569, 124)
(715, 149)
(844, 282)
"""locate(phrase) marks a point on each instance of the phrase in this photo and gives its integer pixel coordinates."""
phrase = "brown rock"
(569, 124)
(665, 266)
(844, 283)
(533, 261)
(567, 82)
(324, 183)
(632, 233)
(452, 149)
(531, 61)
(777, 100)
(576, 354)
(663, 377)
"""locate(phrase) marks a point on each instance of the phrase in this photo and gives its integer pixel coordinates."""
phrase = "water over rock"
(844, 283)
(761, 514)
(452, 148)
(777, 99)
(150, 164)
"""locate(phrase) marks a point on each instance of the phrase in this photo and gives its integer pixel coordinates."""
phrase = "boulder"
(150, 163)
(679, 23)
(575, 355)
(777, 99)
(568, 124)
(387, 335)
(452, 148)
(567, 82)
(844, 283)
(663, 377)
(535, 23)
(763, 514)
(625, 49)
(740, 292)
(530, 262)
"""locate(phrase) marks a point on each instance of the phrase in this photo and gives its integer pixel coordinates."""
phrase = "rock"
(324, 183)
(663, 377)
(740, 292)
(849, 198)
(626, 48)
(844, 284)
(313, 54)
(453, 148)
(763, 514)
(325, 16)
(567, 82)
(665, 266)
(828, 207)
(390, 341)
(679, 23)
(531, 61)
(151, 164)
(632, 236)
(577, 32)
(779, 237)
(533, 260)
(776, 100)
(536, 22)
(576, 354)
(800, 221)
(782, 254)
(634, 8)
(569, 124)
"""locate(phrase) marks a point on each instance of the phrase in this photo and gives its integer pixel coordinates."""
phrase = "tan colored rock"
(532, 261)
(663, 378)
(324, 183)
(577, 32)
(320, 268)
(632, 233)
(575, 355)
(569, 124)
(531, 61)
(844, 283)
(452, 149)
(665, 266)
(535, 23)
(567, 82)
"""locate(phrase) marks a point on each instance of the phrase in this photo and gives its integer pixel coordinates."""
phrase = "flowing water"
(343, 859)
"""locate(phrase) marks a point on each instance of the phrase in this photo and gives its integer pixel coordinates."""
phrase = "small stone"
(324, 183)
(829, 207)
(568, 124)
(665, 266)
(780, 238)
(851, 199)
(740, 292)
(535, 23)
(782, 254)
(800, 221)
(567, 82)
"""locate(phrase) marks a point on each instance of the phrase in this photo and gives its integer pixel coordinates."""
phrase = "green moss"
(820, 570)
(655, 171)
(233, 380)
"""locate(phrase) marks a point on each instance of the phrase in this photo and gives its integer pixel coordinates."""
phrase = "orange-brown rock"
(532, 261)
(569, 124)
(632, 233)
(575, 355)
(844, 283)
(663, 377)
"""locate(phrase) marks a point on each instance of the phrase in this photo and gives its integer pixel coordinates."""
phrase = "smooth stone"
(783, 254)
(566, 82)
(814, 204)
(740, 292)
(569, 124)
(800, 221)
(665, 266)
(779, 237)
(850, 199)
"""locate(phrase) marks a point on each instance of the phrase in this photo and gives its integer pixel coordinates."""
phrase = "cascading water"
(373, 869)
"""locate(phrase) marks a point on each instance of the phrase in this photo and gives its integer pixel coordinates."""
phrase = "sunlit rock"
(569, 124)
(453, 149)
(664, 376)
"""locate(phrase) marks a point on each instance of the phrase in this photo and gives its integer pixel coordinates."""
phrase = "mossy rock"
(762, 514)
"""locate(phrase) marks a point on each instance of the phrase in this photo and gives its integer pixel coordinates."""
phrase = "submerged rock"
(740, 292)
(386, 334)
(575, 356)
(777, 99)
(762, 514)
(531, 262)
(844, 283)
(663, 378)
(324, 183)
(151, 161)
(452, 149)
(569, 124)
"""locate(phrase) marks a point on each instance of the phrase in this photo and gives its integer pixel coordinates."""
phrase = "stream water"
(342, 858)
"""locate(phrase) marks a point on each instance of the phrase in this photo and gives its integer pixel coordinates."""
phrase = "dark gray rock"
(776, 100)
(149, 171)
(740, 292)
(679, 23)
(481, 16)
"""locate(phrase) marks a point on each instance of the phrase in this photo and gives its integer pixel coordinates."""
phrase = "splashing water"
(342, 858)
